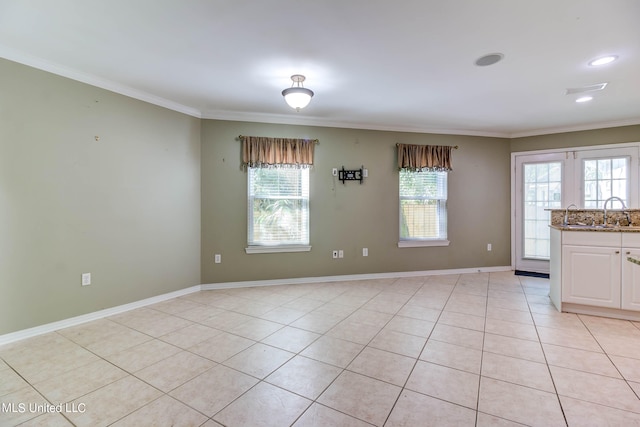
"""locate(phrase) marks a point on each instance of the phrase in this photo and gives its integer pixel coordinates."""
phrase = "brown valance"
(424, 157)
(259, 151)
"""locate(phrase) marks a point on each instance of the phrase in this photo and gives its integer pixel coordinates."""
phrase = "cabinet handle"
(628, 252)
(617, 252)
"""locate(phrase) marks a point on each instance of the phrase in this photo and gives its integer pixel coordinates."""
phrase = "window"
(604, 178)
(278, 207)
(423, 208)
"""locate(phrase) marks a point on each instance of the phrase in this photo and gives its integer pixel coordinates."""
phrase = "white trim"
(93, 80)
(577, 148)
(73, 321)
(276, 249)
(317, 121)
(422, 243)
(350, 277)
(289, 119)
(577, 128)
(614, 313)
(512, 212)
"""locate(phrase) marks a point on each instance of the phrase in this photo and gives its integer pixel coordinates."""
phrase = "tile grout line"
(403, 388)
(297, 354)
(484, 334)
(610, 360)
(546, 361)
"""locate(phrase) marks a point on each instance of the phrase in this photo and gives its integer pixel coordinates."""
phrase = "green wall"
(353, 216)
(125, 208)
(614, 135)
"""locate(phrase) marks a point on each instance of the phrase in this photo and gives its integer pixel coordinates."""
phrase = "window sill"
(276, 249)
(421, 243)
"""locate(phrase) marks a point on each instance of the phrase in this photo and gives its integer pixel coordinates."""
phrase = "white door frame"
(521, 263)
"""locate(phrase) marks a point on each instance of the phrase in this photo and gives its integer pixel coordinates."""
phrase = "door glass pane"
(542, 190)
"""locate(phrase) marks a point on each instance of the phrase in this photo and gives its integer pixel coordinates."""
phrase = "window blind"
(423, 205)
(278, 206)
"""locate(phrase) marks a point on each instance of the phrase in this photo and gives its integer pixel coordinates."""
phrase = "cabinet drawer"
(631, 240)
(592, 238)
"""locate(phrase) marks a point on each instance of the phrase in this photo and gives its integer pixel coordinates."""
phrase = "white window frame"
(257, 248)
(423, 242)
(632, 152)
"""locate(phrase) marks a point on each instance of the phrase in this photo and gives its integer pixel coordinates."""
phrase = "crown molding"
(320, 122)
(577, 128)
(287, 119)
(41, 64)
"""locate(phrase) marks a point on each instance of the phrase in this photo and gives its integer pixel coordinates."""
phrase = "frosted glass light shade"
(297, 97)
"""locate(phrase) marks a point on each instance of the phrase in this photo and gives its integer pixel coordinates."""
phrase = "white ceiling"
(397, 65)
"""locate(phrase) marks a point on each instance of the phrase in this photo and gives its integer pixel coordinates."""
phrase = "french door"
(539, 187)
(585, 177)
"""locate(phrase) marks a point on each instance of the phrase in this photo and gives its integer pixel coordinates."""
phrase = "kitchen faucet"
(566, 213)
(604, 207)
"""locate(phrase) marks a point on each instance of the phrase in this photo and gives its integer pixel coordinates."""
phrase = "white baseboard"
(321, 279)
(73, 321)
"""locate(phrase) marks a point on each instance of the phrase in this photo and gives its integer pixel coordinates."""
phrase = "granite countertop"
(598, 228)
(579, 218)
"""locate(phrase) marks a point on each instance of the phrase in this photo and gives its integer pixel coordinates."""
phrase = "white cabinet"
(630, 272)
(591, 275)
(630, 280)
(592, 269)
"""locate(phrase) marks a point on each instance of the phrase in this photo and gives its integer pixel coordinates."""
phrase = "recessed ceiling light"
(489, 59)
(603, 60)
(584, 99)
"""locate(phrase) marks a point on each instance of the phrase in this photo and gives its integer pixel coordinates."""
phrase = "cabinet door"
(630, 280)
(591, 275)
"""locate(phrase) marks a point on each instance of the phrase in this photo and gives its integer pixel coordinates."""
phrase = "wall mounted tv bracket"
(350, 175)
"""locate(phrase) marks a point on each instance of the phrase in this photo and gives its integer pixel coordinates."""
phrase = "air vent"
(584, 89)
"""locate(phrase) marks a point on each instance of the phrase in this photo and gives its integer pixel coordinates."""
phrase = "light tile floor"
(457, 350)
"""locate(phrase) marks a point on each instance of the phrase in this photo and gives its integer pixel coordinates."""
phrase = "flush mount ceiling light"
(489, 59)
(297, 96)
(603, 60)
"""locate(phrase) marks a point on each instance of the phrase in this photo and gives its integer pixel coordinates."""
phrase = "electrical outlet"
(489, 247)
(86, 279)
(365, 251)
(334, 171)
(340, 253)
(217, 258)
(334, 254)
